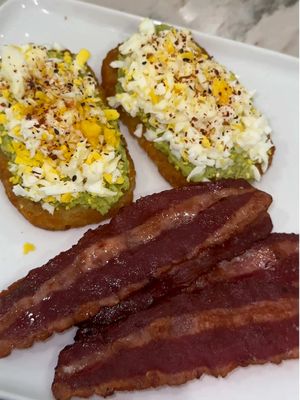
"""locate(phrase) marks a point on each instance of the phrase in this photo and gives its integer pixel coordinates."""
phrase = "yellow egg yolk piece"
(28, 247)
(60, 138)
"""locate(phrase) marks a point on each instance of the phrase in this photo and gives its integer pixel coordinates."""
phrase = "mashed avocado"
(162, 27)
(230, 148)
(241, 167)
(88, 200)
(104, 204)
(72, 181)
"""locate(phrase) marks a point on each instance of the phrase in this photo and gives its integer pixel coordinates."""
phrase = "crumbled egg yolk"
(3, 119)
(60, 139)
(82, 57)
(28, 247)
(189, 102)
(91, 131)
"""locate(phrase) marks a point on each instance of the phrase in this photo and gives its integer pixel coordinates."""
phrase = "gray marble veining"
(271, 24)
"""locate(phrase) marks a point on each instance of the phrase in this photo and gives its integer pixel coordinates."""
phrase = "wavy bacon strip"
(178, 279)
(143, 242)
(244, 312)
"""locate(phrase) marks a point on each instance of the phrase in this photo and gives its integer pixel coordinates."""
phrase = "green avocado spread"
(83, 198)
(242, 165)
(104, 204)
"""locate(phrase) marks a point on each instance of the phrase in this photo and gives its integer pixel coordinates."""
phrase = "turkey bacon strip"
(144, 241)
(178, 279)
(244, 312)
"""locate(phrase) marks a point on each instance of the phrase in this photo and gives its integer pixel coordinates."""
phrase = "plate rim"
(232, 42)
(292, 60)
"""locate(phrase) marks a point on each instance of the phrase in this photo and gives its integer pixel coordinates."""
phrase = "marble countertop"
(272, 24)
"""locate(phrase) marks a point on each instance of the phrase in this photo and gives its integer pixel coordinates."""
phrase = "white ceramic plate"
(28, 374)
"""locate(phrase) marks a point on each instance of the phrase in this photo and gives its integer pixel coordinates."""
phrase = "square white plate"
(28, 374)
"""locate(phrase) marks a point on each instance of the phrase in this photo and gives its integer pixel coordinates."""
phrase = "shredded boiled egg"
(190, 103)
(59, 137)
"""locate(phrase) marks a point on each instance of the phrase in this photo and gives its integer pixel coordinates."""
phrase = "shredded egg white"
(60, 139)
(191, 103)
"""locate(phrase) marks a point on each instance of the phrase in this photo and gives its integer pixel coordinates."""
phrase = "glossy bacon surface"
(143, 242)
(178, 279)
(244, 312)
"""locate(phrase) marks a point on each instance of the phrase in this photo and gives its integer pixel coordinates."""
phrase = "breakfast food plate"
(28, 374)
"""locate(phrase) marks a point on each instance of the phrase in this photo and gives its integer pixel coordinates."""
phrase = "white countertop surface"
(267, 23)
(272, 24)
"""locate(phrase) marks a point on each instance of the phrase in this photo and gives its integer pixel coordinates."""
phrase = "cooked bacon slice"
(143, 242)
(245, 312)
(178, 279)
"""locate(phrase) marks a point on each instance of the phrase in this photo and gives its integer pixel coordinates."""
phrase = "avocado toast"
(190, 113)
(63, 161)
